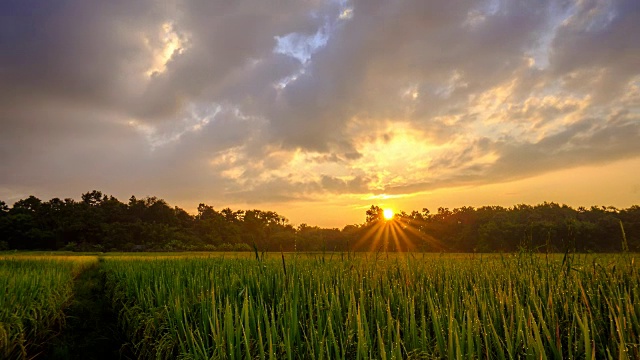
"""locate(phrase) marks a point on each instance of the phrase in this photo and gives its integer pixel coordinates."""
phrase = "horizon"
(389, 212)
(318, 110)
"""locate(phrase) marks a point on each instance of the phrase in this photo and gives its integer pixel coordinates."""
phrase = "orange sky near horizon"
(605, 185)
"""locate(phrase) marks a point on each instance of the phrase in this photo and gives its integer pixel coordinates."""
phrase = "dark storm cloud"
(68, 153)
(598, 40)
(77, 53)
(279, 100)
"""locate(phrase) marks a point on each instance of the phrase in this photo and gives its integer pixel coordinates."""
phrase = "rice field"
(369, 306)
(35, 291)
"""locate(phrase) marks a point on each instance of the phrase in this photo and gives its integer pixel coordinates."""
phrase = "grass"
(400, 306)
(321, 306)
(35, 291)
(91, 329)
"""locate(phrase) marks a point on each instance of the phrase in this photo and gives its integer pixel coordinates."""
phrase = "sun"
(388, 214)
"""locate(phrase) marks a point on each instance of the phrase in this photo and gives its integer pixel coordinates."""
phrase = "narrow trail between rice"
(91, 329)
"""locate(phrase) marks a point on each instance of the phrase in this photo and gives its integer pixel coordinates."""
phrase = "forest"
(100, 222)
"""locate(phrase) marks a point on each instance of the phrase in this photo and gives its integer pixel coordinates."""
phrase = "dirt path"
(91, 330)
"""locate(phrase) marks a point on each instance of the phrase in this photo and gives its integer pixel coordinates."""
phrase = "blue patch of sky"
(542, 49)
(197, 116)
(601, 17)
(302, 46)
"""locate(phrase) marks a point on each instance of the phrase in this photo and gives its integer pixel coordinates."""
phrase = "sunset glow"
(312, 110)
(320, 179)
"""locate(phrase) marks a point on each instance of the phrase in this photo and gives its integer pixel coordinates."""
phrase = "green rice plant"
(370, 307)
(35, 291)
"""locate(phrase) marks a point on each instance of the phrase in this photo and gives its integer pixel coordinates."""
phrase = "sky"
(320, 109)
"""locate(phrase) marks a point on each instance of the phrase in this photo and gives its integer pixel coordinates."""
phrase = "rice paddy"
(35, 291)
(341, 306)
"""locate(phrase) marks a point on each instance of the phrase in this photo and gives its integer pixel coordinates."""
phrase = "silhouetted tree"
(101, 222)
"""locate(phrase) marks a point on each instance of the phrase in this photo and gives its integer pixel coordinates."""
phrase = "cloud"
(281, 101)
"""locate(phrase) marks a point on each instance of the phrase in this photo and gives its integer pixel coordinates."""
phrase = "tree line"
(100, 222)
